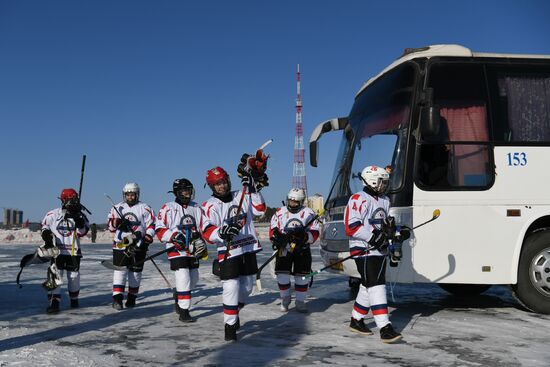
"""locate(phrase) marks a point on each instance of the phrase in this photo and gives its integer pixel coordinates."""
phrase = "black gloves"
(251, 169)
(195, 235)
(47, 236)
(198, 248)
(122, 225)
(130, 250)
(388, 226)
(228, 231)
(378, 239)
(299, 236)
(147, 239)
(179, 241)
(279, 239)
(78, 217)
(404, 234)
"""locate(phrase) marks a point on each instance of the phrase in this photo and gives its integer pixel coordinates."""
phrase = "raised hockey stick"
(259, 273)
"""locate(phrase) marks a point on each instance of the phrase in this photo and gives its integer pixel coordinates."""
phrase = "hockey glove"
(122, 225)
(47, 236)
(195, 235)
(228, 231)
(299, 238)
(279, 240)
(378, 239)
(197, 248)
(403, 234)
(147, 239)
(178, 239)
(388, 226)
(130, 250)
(246, 180)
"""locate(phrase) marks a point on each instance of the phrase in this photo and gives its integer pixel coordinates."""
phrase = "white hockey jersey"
(67, 236)
(141, 217)
(217, 213)
(174, 218)
(284, 221)
(364, 213)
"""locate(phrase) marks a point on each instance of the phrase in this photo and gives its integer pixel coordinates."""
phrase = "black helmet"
(180, 186)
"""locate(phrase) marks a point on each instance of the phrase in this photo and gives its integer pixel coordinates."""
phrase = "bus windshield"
(379, 120)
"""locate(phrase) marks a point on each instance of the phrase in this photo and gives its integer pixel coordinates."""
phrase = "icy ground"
(439, 330)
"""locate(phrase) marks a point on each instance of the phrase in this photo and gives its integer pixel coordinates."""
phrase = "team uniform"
(232, 231)
(295, 257)
(365, 216)
(237, 259)
(174, 219)
(141, 220)
(65, 228)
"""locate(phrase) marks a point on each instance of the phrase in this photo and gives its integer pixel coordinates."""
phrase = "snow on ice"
(438, 329)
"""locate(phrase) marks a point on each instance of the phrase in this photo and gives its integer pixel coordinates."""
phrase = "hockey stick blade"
(266, 144)
(258, 274)
(436, 213)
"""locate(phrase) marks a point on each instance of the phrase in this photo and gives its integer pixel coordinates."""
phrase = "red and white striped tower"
(299, 169)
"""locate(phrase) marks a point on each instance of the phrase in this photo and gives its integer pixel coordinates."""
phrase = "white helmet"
(130, 187)
(295, 194)
(377, 178)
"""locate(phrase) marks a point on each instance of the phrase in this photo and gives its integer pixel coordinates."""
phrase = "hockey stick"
(259, 273)
(28, 260)
(81, 183)
(435, 215)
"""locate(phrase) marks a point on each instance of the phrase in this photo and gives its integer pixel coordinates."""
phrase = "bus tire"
(533, 287)
(464, 290)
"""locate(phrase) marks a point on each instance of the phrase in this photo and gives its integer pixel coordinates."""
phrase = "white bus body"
(467, 133)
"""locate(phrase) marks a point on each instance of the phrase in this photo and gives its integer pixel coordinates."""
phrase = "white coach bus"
(467, 133)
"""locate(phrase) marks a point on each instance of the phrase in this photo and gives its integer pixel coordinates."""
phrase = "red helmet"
(216, 175)
(68, 194)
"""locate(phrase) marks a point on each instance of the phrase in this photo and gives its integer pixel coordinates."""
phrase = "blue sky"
(151, 91)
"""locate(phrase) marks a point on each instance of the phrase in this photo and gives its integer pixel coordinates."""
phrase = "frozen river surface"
(438, 329)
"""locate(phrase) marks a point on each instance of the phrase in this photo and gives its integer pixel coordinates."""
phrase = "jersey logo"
(132, 218)
(187, 222)
(293, 225)
(65, 227)
(233, 215)
(377, 217)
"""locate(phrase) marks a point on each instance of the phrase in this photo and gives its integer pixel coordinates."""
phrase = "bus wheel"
(533, 287)
(465, 290)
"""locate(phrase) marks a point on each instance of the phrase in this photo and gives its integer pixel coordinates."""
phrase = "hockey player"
(293, 229)
(366, 221)
(133, 225)
(178, 225)
(62, 229)
(229, 225)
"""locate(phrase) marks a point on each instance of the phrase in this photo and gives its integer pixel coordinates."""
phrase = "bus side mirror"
(430, 122)
(324, 127)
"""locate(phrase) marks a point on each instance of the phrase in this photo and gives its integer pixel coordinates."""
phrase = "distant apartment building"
(13, 217)
(316, 202)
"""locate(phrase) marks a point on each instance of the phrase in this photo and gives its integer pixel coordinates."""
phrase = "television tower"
(299, 169)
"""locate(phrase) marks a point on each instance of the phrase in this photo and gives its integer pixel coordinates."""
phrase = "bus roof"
(444, 50)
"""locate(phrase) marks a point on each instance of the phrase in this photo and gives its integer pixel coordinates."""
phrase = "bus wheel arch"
(532, 289)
